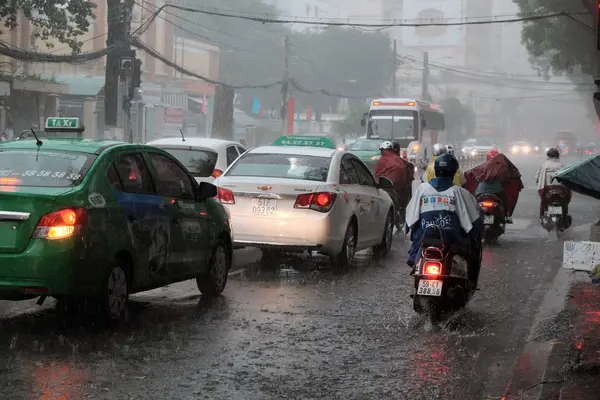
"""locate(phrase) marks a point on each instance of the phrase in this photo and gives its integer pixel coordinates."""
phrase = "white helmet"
(439, 149)
(449, 149)
(387, 145)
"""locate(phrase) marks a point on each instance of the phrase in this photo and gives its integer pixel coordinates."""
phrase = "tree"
(65, 21)
(456, 117)
(559, 45)
(351, 124)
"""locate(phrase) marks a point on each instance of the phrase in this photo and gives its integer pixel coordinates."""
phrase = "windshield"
(365, 145)
(43, 168)
(200, 163)
(388, 124)
(291, 166)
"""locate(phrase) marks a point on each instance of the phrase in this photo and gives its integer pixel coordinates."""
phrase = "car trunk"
(20, 210)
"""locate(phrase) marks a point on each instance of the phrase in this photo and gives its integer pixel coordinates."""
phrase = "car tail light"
(432, 268)
(60, 224)
(225, 196)
(217, 173)
(487, 204)
(322, 201)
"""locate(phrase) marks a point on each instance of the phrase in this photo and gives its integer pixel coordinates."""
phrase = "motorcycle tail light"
(487, 204)
(432, 268)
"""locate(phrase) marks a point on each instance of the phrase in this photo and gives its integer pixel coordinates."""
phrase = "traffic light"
(136, 80)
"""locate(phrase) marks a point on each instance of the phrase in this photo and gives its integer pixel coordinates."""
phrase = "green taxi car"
(99, 220)
(367, 150)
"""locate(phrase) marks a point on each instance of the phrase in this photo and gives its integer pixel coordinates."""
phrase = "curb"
(540, 370)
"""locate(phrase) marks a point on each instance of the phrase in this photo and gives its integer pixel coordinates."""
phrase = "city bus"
(415, 125)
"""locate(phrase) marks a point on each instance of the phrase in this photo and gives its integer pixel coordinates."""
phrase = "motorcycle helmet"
(449, 149)
(492, 153)
(439, 149)
(553, 153)
(445, 165)
(387, 145)
(396, 147)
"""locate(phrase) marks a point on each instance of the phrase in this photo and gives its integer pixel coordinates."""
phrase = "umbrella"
(582, 177)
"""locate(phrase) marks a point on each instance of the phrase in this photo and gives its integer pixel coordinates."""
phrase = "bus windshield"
(393, 124)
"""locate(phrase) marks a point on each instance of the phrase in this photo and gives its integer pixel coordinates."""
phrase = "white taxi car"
(301, 194)
(205, 158)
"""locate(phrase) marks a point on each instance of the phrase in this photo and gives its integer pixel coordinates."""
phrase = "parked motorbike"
(555, 217)
(442, 281)
(400, 212)
(494, 216)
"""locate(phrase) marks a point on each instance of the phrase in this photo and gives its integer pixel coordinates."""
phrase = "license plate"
(264, 206)
(429, 288)
(555, 210)
(488, 219)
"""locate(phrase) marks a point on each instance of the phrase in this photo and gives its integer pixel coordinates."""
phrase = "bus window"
(393, 124)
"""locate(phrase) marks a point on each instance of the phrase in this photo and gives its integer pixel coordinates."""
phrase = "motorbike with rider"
(438, 150)
(446, 226)
(400, 173)
(554, 197)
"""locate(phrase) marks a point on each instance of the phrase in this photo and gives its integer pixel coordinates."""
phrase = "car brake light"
(322, 201)
(217, 173)
(432, 268)
(60, 224)
(225, 196)
(9, 181)
(487, 204)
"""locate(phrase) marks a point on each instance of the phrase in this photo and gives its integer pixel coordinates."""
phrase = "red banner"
(290, 116)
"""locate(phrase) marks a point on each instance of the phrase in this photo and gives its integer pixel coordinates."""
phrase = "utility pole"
(395, 59)
(285, 94)
(596, 98)
(425, 81)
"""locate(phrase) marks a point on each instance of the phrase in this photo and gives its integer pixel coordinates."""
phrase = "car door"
(146, 217)
(370, 199)
(190, 239)
(232, 154)
(350, 182)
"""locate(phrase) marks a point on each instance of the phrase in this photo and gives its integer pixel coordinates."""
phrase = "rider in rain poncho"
(438, 150)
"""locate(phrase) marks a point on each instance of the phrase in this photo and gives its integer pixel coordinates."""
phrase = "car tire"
(346, 257)
(214, 281)
(112, 302)
(385, 247)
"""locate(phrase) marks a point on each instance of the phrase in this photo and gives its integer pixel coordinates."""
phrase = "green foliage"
(559, 45)
(460, 119)
(351, 124)
(65, 23)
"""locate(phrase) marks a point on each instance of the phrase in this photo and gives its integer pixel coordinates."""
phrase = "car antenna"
(38, 141)
(182, 137)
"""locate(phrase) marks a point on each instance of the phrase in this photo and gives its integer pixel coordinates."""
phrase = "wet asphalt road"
(298, 331)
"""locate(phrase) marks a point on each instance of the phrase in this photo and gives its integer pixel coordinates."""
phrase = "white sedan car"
(205, 158)
(306, 198)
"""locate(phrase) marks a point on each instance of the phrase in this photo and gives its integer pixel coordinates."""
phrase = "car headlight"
(464, 150)
(473, 152)
(537, 148)
(514, 150)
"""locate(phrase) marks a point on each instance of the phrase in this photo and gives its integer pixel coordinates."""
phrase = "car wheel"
(213, 283)
(115, 295)
(384, 248)
(346, 256)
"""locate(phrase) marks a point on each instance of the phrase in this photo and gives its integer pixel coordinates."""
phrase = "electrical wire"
(23, 55)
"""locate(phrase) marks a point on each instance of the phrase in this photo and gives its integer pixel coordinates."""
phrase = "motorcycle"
(555, 218)
(442, 282)
(494, 216)
(400, 212)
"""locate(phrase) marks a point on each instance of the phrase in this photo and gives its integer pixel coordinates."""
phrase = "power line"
(23, 55)
(302, 89)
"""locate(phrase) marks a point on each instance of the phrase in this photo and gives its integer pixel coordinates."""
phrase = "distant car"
(205, 158)
(522, 148)
(90, 222)
(367, 150)
(306, 195)
(477, 146)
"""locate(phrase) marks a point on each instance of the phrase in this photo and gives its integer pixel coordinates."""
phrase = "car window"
(51, 168)
(348, 170)
(241, 150)
(200, 163)
(173, 181)
(134, 174)
(291, 166)
(365, 145)
(113, 178)
(365, 177)
(232, 155)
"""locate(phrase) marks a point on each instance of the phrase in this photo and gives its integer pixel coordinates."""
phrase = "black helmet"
(445, 165)
(553, 153)
(396, 146)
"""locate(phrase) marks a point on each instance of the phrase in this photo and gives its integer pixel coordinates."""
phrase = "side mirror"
(384, 183)
(206, 190)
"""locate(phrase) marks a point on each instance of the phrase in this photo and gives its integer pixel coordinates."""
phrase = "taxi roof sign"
(305, 141)
(63, 124)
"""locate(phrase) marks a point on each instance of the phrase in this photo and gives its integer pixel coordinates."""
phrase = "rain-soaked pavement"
(299, 331)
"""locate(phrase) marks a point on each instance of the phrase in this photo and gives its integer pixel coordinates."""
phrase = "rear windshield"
(200, 163)
(43, 168)
(365, 145)
(291, 166)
